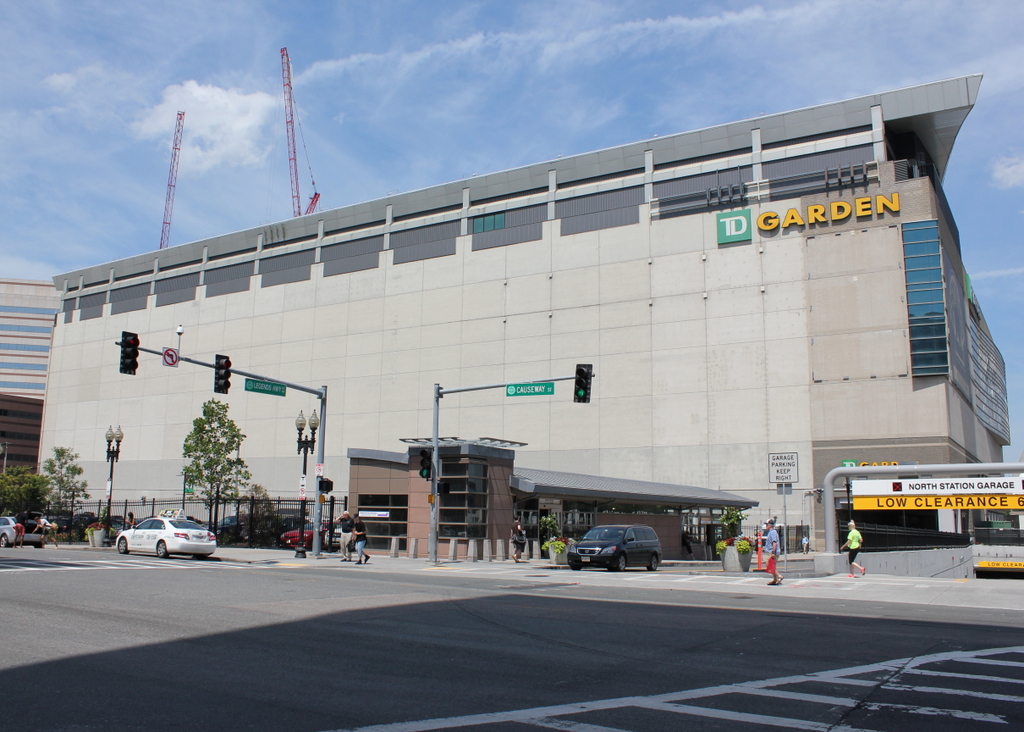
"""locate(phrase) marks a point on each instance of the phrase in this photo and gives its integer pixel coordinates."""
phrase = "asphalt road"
(95, 641)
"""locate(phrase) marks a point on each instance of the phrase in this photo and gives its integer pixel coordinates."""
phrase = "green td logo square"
(734, 226)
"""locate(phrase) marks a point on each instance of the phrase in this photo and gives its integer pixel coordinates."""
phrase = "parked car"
(166, 536)
(290, 539)
(7, 530)
(617, 547)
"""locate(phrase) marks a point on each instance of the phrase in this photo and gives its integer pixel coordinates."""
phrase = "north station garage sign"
(933, 493)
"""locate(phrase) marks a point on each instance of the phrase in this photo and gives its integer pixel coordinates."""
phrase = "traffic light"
(222, 374)
(129, 352)
(326, 485)
(426, 464)
(584, 375)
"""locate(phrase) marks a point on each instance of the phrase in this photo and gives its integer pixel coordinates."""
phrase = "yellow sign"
(818, 213)
(1000, 565)
(968, 500)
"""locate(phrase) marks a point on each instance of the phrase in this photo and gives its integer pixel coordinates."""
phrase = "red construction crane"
(172, 180)
(289, 125)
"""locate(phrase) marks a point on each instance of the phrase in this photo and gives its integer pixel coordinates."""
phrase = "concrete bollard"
(499, 546)
(414, 548)
(487, 551)
(453, 550)
(535, 553)
(394, 547)
(471, 550)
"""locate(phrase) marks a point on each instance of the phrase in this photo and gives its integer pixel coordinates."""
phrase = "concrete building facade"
(787, 284)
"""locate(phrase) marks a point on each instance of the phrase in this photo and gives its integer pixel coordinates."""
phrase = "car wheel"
(200, 557)
(652, 565)
(122, 546)
(161, 550)
(4, 541)
(576, 567)
(619, 564)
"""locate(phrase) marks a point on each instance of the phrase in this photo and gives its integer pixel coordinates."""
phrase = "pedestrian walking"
(687, 547)
(359, 537)
(805, 543)
(854, 541)
(43, 528)
(345, 524)
(771, 545)
(518, 536)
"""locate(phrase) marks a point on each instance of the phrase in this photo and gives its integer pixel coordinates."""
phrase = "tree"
(21, 490)
(63, 472)
(212, 449)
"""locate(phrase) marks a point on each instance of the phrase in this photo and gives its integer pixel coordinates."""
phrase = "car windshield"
(179, 524)
(604, 533)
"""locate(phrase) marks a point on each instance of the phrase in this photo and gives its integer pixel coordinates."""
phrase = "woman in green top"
(853, 540)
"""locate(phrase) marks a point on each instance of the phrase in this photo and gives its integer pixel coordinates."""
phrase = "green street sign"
(544, 388)
(265, 387)
(189, 490)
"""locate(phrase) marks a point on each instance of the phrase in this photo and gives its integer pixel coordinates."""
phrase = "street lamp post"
(305, 446)
(113, 453)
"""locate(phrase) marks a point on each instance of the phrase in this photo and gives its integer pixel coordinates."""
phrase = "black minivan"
(617, 547)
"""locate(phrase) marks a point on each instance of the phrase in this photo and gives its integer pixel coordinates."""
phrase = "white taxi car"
(167, 534)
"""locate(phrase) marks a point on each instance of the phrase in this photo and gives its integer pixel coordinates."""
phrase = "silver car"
(7, 530)
(166, 536)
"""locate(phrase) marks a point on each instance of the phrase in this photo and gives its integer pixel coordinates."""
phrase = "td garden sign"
(932, 493)
(736, 226)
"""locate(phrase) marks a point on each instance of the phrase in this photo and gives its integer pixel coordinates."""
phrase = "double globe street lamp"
(305, 446)
(113, 453)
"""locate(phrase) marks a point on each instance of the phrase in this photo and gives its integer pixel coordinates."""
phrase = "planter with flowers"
(96, 534)
(736, 553)
(558, 549)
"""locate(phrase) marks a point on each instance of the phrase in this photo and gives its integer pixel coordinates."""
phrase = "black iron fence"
(880, 538)
(251, 522)
(999, 537)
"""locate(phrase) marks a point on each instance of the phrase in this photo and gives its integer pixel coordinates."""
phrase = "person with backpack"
(518, 536)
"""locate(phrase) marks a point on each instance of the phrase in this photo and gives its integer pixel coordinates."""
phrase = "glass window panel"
(912, 225)
(911, 287)
(454, 469)
(920, 296)
(476, 500)
(928, 310)
(452, 516)
(928, 345)
(926, 262)
(927, 331)
(452, 500)
(931, 370)
(478, 225)
(478, 470)
(499, 220)
(925, 360)
(929, 234)
(924, 275)
(924, 247)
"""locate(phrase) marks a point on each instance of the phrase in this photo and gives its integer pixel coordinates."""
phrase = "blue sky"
(397, 95)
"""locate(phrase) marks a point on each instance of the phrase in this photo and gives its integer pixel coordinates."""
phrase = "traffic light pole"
(321, 393)
(435, 444)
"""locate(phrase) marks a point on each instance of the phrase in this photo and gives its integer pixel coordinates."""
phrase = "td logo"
(734, 226)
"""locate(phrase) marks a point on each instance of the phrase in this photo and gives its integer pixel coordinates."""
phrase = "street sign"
(544, 388)
(189, 490)
(320, 470)
(265, 387)
(782, 467)
(170, 357)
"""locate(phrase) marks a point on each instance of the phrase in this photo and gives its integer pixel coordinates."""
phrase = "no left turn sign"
(170, 357)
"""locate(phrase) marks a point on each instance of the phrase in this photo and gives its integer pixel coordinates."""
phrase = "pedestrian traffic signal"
(584, 375)
(426, 464)
(326, 485)
(129, 352)
(222, 374)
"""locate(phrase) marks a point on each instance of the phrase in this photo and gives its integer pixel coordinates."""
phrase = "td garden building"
(786, 284)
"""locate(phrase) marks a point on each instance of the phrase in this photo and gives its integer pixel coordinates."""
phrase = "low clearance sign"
(932, 493)
(735, 226)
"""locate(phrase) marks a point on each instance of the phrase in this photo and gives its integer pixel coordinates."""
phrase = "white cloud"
(222, 126)
(1008, 171)
(992, 274)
